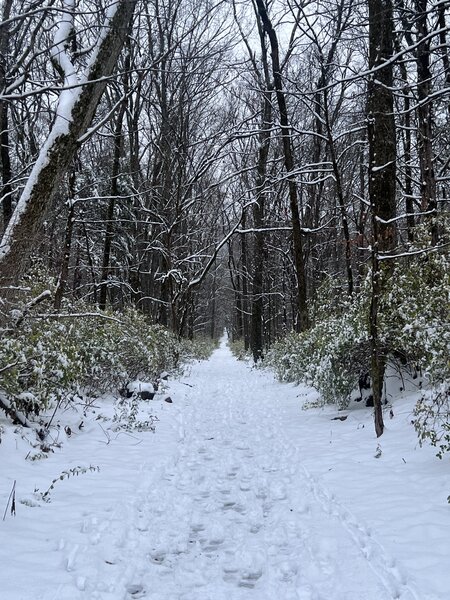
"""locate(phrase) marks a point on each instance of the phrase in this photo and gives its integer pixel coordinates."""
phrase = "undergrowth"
(48, 359)
(414, 334)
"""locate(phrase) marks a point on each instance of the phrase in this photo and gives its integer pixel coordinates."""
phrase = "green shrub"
(415, 317)
(330, 356)
(432, 419)
(199, 348)
(47, 359)
(414, 329)
(238, 350)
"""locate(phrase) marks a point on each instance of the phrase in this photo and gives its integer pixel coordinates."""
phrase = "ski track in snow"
(232, 515)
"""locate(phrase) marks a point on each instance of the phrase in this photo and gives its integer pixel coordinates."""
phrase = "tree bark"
(6, 196)
(64, 272)
(109, 233)
(424, 115)
(256, 326)
(244, 287)
(382, 178)
(60, 147)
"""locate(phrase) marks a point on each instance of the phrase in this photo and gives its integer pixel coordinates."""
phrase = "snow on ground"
(239, 494)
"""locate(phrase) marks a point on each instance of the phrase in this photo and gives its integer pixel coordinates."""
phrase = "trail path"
(230, 499)
(233, 514)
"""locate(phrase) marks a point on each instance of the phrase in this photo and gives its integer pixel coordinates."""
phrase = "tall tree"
(6, 196)
(302, 319)
(76, 107)
(382, 176)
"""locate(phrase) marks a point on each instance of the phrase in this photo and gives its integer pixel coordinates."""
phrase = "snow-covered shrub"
(200, 348)
(415, 318)
(432, 418)
(48, 358)
(122, 348)
(421, 308)
(43, 363)
(330, 356)
(414, 331)
(127, 413)
(237, 348)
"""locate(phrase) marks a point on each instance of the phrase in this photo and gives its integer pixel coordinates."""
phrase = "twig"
(53, 416)
(108, 437)
(130, 435)
(10, 366)
(12, 496)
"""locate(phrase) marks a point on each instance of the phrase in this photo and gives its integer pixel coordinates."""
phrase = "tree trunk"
(6, 196)
(256, 327)
(301, 320)
(424, 115)
(341, 198)
(382, 174)
(109, 233)
(244, 287)
(64, 272)
(76, 110)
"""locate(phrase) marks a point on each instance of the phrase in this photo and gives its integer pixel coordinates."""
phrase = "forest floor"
(237, 495)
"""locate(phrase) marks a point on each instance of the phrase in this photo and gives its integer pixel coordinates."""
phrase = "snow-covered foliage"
(331, 355)
(237, 348)
(415, 314)
(432, 419)
(49, 358)
(200, 349)
(414, 330)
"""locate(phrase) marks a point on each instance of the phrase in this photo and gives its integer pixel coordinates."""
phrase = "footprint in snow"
(278, 491)
(243, 569)
(287, 570)
(245, 484)
(157, 556)
(135, 590)
(202, 495)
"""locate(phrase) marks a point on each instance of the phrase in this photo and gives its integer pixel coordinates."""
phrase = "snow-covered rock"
(144, 389)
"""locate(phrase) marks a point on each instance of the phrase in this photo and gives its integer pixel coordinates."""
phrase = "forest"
(278, 168)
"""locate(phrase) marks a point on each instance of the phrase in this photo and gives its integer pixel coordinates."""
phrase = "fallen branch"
(20, 315)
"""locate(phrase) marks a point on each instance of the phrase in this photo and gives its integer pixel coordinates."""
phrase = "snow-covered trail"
(230, 513)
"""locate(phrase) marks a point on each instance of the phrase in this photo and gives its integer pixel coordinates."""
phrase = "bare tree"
(302, 319)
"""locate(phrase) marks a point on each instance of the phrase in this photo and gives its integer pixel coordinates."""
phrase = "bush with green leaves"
(421, 305)
(122, 347)
(41, 363)
(432, 418)
(415, 317)
(330, 356)
(48, 358)
(414, 328)
(199, 348)
(237, 348)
